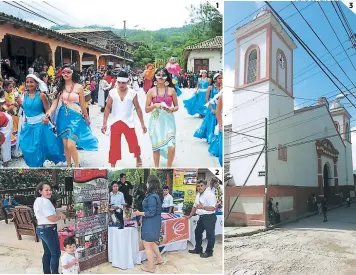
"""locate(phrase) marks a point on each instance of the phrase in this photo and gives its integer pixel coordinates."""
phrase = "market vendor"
(117, 201)
(204, 207)
(167, 205)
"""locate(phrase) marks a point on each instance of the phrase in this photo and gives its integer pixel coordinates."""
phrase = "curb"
(246, 234)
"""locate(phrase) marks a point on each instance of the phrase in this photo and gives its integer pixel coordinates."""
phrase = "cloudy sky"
(138, 14)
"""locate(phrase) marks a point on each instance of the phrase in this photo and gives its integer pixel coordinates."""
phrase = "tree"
(142, 56)
(206, 23)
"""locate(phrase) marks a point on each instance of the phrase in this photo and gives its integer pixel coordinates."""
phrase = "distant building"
(23, 42)
(106, 39)
(206, 55)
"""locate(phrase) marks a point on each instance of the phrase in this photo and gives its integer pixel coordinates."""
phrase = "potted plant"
(187, 207)
(56, 198)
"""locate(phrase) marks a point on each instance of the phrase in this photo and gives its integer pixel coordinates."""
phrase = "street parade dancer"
(72, 119)
(207, 128)
(196, 104)
(121, 102)
(174, 69)
(135, 85)
(216, 144)
(148, 75)
(162, 102)
(38, 142)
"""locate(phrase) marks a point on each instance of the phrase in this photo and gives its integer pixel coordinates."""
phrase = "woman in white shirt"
(47, 219)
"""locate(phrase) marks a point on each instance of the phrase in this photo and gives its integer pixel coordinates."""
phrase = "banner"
(91, 203)
(184, 185)
(172, 230)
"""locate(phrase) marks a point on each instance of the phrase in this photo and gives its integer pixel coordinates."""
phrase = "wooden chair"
(25, 222)
(4, 212)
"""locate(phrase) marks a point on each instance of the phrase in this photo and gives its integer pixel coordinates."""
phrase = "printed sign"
(91, 202)
(184, 181)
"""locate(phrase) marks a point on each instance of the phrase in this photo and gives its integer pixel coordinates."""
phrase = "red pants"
(117, 129)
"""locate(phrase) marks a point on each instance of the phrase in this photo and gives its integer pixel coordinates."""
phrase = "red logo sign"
(89, 174)
(176, 230)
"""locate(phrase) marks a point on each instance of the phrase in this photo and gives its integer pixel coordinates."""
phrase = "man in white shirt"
(204, 207)
(167, 205)
(121, 103)
(117, 202)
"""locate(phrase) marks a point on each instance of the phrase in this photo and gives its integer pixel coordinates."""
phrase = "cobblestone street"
(308, 246)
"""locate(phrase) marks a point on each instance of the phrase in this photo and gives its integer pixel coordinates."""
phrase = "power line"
(244, 19)
(312, 54)
(295, 144)
(336, 35)
(351, 34)
(261, 22)
(321, 41)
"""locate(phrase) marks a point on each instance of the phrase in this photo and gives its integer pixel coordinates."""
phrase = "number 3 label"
(351, 5)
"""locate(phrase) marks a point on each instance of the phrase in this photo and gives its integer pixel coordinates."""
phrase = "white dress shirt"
(117, 199)
(207, 199)
(167, 201)
(43, 208)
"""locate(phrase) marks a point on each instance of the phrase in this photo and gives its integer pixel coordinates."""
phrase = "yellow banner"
(184, 184)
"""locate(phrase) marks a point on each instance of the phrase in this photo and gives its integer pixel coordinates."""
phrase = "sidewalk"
(242, 231)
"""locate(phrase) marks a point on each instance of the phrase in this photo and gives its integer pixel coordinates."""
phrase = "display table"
(193, 224)
(123, 247)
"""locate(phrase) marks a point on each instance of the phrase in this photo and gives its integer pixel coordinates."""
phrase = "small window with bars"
(282, 152)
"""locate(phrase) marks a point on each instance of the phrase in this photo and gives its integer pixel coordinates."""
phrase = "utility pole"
(124, 43)
(266, 177)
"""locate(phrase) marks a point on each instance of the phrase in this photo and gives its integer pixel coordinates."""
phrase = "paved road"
(305, 247)
(190, 151)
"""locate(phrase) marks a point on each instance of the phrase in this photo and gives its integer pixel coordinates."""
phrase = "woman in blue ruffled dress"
(216, 145)
(196, 104)
(207, 128)
(37, 140)
(162, 102)
(73, 123)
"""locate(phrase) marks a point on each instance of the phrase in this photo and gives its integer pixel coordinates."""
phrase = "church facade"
(309, 149)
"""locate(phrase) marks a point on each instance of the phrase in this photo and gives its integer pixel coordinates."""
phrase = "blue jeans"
(52, 251)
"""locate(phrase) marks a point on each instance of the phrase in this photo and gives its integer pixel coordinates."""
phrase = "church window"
(252, 67)
(337, 125)
(282, 152)
(347, 132)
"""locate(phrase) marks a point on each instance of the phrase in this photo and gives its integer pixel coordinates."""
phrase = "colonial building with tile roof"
(206, 55)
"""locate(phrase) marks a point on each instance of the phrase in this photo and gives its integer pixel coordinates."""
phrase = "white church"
(310, 148)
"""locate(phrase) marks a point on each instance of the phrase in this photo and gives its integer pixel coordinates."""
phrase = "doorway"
(326, 179)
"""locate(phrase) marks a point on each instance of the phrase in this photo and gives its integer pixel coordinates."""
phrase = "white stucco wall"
(247, 205)
(250, 106)
(301, 169)
(214, 56)
(258, 38)
(277, 43)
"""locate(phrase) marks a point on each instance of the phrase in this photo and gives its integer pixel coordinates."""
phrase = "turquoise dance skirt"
(207, 127)
(38, 143)
(215, 147)
(71, 125)
(162, 131)
(178, 90)
(195, 105)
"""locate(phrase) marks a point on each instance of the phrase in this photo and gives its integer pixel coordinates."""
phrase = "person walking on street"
(324, 208)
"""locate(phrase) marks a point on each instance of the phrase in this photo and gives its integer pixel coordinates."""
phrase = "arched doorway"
(326, 180)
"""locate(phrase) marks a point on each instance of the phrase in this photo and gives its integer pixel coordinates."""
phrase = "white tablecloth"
(193, 224)
(123, 247)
